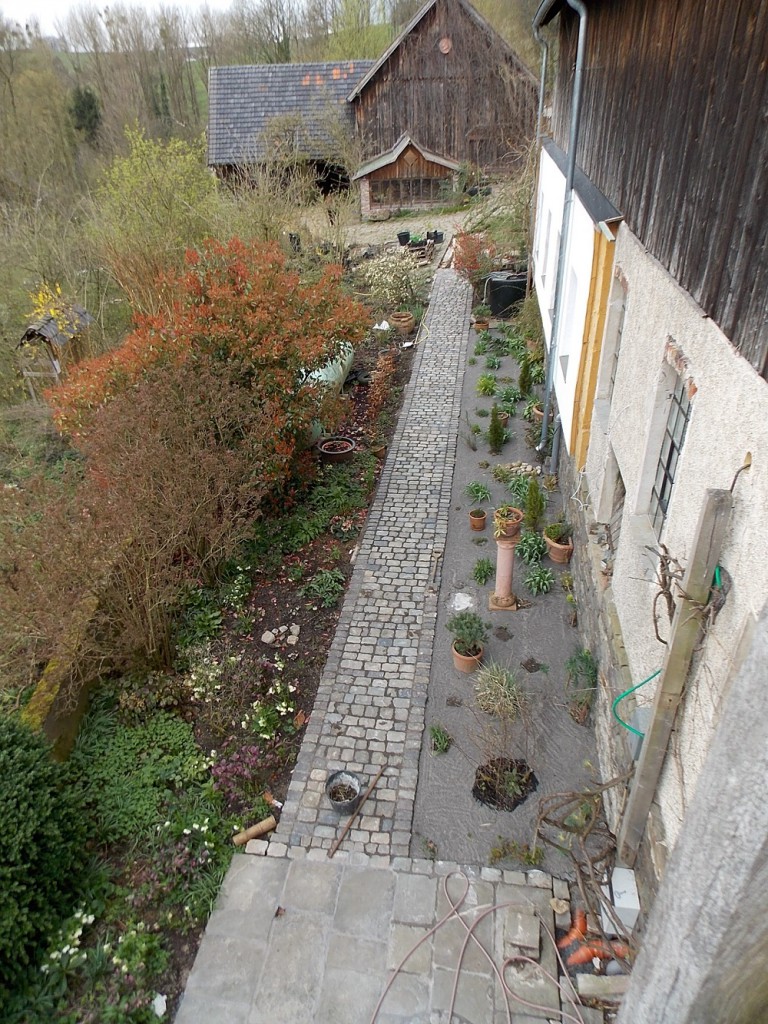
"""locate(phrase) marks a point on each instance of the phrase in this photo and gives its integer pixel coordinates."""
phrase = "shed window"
(666, 470)
(404, 191)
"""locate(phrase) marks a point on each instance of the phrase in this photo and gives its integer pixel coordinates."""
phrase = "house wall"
(673, 131)
(468, 99)
(664, 333)
(578, 276)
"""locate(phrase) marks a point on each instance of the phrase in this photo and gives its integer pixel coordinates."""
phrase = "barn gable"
(452, 82)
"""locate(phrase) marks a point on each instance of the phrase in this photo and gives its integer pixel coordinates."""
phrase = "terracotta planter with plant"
(559, 543)
(482, 317)
(507, 522)
(477, 519)
(470, 633)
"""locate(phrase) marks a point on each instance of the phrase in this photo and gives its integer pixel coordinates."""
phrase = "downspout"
(539, 133)
(581, 10)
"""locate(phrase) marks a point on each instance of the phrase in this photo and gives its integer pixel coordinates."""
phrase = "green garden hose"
(626, 694)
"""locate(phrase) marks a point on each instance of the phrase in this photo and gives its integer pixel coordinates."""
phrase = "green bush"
(42, 849)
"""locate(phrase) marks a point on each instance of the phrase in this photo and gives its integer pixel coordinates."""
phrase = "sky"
(52, 12)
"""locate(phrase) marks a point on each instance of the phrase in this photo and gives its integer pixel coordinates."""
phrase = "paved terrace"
(298, 938)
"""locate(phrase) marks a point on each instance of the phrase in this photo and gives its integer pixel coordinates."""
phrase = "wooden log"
(267, 825)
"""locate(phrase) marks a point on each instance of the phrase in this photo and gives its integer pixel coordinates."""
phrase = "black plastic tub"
(505, 290)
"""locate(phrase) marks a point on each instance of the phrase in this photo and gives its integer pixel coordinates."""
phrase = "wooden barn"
(451, 86)
(448, 92)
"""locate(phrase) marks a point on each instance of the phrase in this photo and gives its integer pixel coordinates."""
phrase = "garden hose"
(621, 697)
(716, 583)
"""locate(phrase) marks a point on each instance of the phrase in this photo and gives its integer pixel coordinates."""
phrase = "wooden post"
(707, 545)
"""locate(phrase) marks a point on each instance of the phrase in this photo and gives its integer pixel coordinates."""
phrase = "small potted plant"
(507, 522)
(470, 633)
(477, 518)
(558, 536)
(482, 316)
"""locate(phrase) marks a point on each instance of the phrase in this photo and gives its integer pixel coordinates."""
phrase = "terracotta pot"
(404, 323)
(509, 527)
(477, 519)
(482, 325)
(537, 413)
(464, 663)
(559, 553)
(379, 450)
(503, 418)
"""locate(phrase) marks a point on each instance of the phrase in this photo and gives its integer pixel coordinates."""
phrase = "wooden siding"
(673, 131)
(475, 103)
(411, 164)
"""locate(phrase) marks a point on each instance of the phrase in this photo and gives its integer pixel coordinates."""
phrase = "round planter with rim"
(344, 790)
(403, 322)
(464, 662)
(403, 237)
(508, 526)
(482, 324)
(477, 519)
(559, 553)
(503, 418)
(336, 449)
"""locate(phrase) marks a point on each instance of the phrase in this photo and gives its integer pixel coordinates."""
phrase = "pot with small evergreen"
(469, 635)
(496, 433)
(559, 540)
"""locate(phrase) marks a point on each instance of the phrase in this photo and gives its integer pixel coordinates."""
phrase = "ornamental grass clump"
(498, 691)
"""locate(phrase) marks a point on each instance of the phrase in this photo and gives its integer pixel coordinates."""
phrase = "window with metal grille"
(407, 190)
(671, 446)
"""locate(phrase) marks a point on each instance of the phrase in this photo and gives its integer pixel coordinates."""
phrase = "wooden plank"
(697, 581)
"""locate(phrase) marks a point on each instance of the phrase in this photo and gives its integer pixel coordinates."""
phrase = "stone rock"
(292, 640)
(295, 630)
(268, 637)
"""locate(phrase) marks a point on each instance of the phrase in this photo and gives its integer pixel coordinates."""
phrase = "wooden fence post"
(697, 582)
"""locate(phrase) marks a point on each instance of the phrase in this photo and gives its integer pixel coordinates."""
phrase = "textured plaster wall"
(704, 950)
(729, 419)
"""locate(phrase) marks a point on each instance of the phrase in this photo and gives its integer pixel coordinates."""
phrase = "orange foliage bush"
(236, 301)
(183, 435)
(473, 256)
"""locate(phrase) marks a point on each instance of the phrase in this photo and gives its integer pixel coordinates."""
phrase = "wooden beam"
(707, 545)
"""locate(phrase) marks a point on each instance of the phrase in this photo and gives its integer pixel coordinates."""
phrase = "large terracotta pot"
(559, 553)
(403, 322)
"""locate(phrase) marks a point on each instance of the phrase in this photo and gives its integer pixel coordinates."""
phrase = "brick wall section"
(370, 705)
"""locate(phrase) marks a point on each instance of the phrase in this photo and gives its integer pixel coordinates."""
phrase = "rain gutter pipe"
(581, 10)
